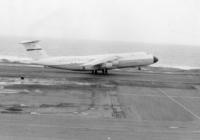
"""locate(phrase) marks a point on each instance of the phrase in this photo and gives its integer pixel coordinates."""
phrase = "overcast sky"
(154, 21)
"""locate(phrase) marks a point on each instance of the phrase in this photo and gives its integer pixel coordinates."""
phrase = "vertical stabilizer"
(34, 50)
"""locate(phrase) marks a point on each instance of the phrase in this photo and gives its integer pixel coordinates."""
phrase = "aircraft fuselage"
(118, 61)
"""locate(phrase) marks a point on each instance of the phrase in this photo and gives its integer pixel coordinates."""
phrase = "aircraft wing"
(100, 61)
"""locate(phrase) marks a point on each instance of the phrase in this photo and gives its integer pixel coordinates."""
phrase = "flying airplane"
(93, 63)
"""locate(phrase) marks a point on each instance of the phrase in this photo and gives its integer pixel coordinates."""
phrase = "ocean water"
(181, 56)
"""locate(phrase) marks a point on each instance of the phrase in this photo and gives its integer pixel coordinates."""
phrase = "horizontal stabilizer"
(34, 49)
(29, 42)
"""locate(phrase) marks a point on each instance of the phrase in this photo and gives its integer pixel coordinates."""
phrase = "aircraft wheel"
(95, 72)
(103, 71)
(106, 71)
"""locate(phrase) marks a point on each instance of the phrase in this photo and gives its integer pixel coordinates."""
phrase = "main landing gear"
(104, 71)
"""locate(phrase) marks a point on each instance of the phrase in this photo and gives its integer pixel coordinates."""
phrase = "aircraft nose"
(155, 59)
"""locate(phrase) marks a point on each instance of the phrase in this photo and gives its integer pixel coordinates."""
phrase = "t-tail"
(34, 50)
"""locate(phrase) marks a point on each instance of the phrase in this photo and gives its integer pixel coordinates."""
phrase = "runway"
(152, 104)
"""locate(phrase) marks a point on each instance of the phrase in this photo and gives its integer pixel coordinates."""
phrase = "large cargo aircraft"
(93, 63)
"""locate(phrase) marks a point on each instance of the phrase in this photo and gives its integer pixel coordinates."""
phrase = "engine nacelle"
(107, 65)
(115, 63)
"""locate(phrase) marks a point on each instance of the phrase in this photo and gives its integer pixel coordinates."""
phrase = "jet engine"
(115, 63)
(107, 65)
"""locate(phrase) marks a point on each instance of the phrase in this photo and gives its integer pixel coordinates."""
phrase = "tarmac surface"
(152, 104)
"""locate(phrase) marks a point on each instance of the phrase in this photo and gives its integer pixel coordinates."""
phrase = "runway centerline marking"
(175, 101)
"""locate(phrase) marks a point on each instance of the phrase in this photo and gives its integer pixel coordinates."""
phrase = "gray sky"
(149, 21)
